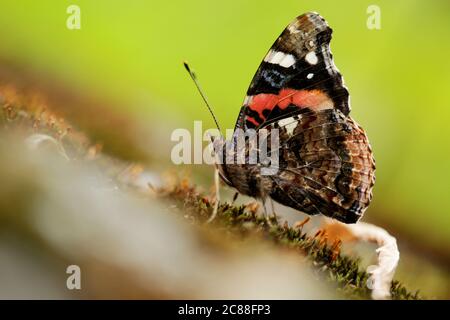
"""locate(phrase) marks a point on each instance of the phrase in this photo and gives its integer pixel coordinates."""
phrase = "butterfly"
(325, 163)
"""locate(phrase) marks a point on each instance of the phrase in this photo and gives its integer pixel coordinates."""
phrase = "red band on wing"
(252, 120)
(313, 99)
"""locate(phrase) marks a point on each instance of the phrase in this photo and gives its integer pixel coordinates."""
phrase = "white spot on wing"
(310, 75)
(277, 57)
(269, 56)
(289, 124)
(311, 58)
(287, 61)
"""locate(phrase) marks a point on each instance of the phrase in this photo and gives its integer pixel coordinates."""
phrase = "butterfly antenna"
(197, 84)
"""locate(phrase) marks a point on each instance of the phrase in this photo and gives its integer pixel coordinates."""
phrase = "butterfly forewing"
(297, 72)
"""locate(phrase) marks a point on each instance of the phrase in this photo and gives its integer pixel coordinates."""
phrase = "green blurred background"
(398, 77)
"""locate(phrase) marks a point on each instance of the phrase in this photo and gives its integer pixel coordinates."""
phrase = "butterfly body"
(325, 163)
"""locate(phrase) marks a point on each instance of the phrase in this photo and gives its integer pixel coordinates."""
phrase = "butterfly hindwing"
(325, 165)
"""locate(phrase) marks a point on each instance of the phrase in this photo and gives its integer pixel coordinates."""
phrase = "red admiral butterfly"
(325, 160)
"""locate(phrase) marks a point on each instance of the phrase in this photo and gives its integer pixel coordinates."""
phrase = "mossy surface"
(325, 260)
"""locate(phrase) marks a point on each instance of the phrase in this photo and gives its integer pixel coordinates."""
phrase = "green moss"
(327, 262)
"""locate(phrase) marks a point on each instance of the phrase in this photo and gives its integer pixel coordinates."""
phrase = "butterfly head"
(220, 147)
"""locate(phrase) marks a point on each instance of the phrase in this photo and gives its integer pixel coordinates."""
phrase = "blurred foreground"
(56, 213)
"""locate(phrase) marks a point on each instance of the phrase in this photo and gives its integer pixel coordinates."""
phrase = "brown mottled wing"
(325, 165)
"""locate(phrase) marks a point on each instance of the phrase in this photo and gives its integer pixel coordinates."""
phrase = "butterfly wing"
(325, 165)
(297, 72)
(325, 160)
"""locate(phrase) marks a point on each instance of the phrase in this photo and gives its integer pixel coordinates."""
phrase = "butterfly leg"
(274, 215)
(265, 213)
(236, 194)
(264, 196)
(266, 216)
(217, 195)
